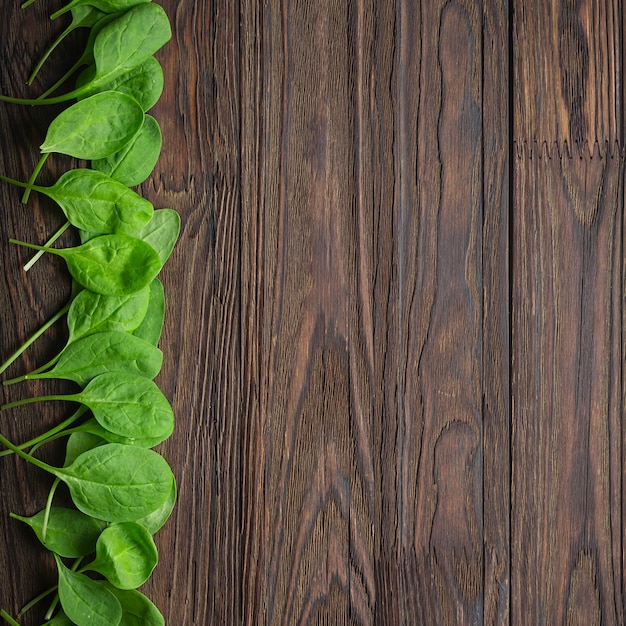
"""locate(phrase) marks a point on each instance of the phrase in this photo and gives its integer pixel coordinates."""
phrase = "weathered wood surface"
(394, 328)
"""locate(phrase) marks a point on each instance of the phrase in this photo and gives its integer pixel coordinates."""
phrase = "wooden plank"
(308, 200)
(567, 438)
(567, 444)
(497, 150)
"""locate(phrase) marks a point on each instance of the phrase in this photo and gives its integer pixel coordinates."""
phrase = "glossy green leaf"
(69, 532)
(96, 127)
(118, 483)
(126, 43)
(144, 83)
(112, 265)
(94, 202)
(161, 232)
(137, 610)
(92, 312)
(85, 601)
(133, 164)
(125, 555)
(101, 353)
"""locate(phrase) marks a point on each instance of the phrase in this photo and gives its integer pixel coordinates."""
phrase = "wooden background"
(395, 332)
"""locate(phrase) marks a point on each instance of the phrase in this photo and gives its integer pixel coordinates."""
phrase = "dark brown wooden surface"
(394, 336)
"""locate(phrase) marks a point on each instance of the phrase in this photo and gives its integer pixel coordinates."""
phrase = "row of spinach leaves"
(123, 490)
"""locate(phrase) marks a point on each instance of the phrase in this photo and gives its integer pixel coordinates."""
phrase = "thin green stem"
(7, 618)
(33, 177)
(48, 243)
(33, 338)
(37, 101)
(61, 80)
(32, 246)
(13, 181)
(27, 457)
(27, 3)
(46, 366)
(49, 435)
(27, 607)
(46, 515)
(48, 52)
(23, 401)
(53, 605)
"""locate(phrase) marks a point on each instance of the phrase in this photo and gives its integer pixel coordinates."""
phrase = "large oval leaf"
(125, 555)
(118, 483)
(101, 353)
(95, 202)
(129, 405)
(85, 601)
(96, 127)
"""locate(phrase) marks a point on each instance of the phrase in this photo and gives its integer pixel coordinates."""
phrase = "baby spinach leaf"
(92, 312)
(112, 265)
(108, 6)
(133, 164)
(125, 555)
(126, 43)
(152, 325)
(161, 232)
(86, 602)
(96, 127)
(137, 610)
(144, 83)
(95, 202)
(69, 532)
(118, 483)
(113, 482)
(101, 353)
(128, 405)
(120, 46)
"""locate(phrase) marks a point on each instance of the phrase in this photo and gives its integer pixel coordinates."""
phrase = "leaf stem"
(33, 177)
(7, 618)
(27, 457)
(49, 435)
(48, 243)
(46, 515)
(61, 80)
(23, 401)
(34, 337)
(27, 607)
(33, 246)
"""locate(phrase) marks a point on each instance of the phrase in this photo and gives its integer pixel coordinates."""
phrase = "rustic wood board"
(394, 326)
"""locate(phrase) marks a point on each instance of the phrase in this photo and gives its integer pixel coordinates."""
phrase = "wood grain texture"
(567, 69)
(567, 437)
